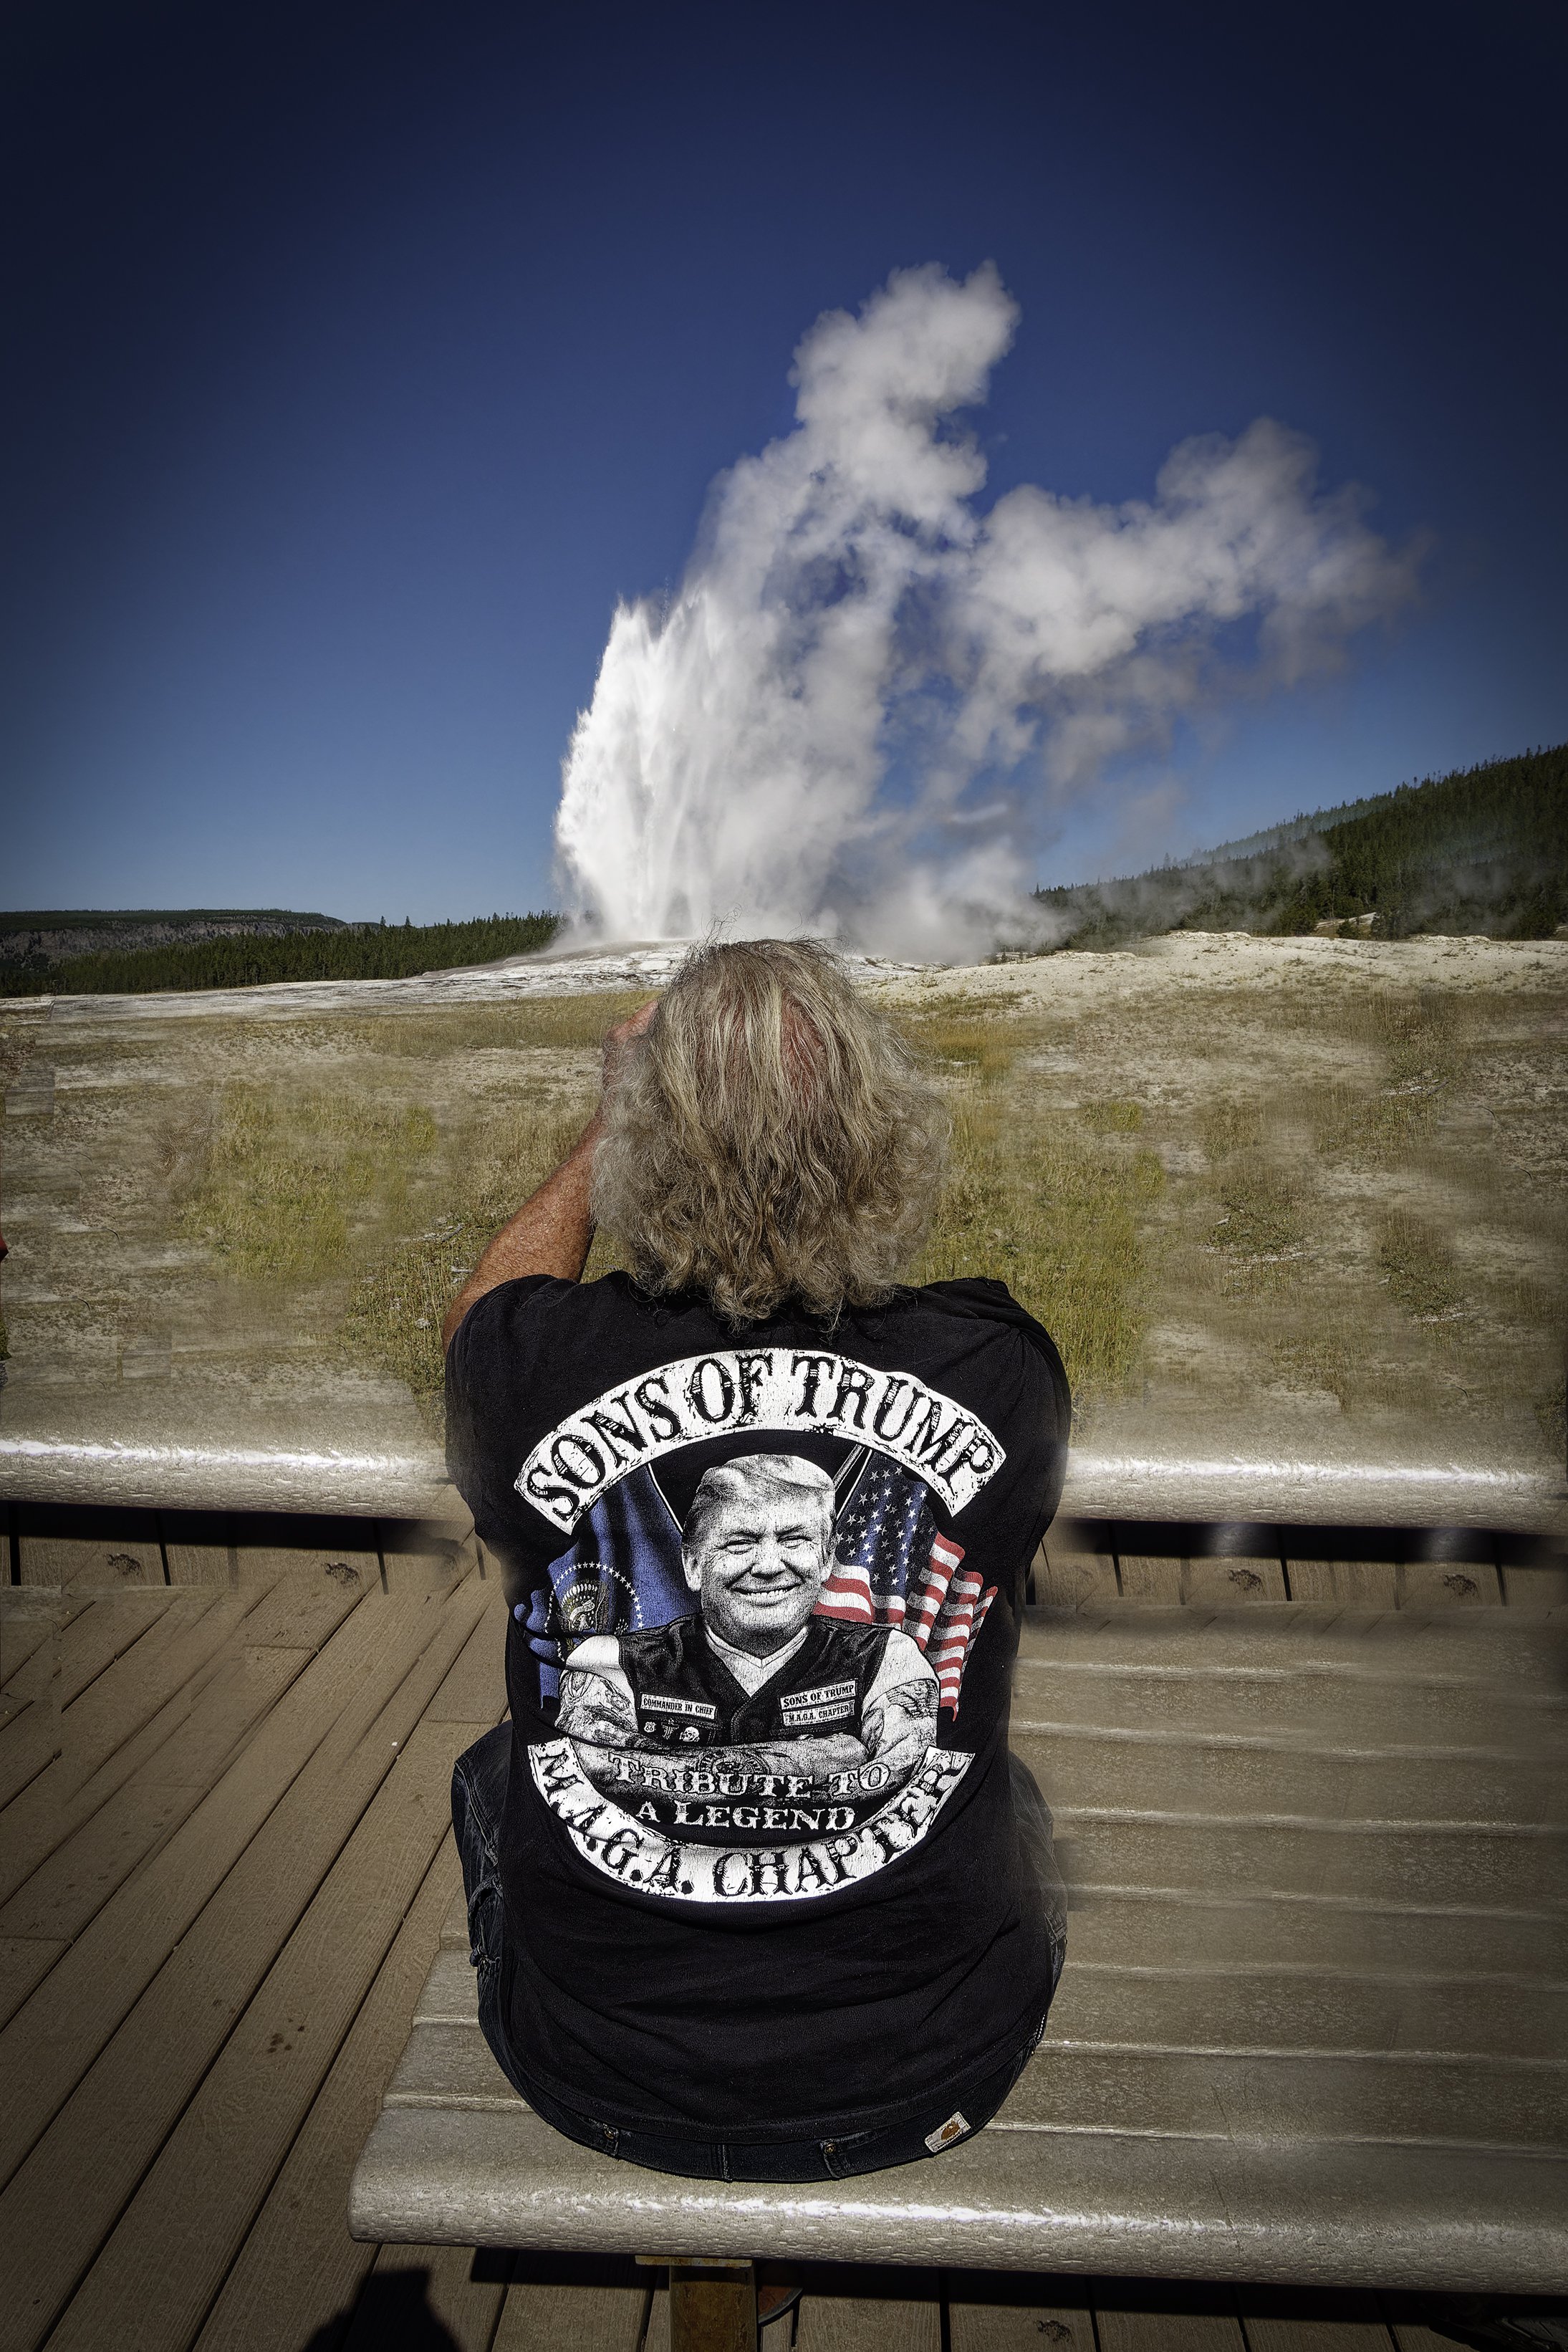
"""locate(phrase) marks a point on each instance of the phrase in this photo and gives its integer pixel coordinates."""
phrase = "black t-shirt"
(760, 1870)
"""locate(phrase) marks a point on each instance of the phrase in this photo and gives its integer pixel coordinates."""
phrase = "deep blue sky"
(361, 356)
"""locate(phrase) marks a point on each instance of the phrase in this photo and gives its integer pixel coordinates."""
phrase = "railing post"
(713, 2307)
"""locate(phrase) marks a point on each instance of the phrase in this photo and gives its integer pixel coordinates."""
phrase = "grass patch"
(1062, 1224)
(1259, 1232)
(1418, 1267)
(1056, 1206)
(288, 1179)
(1424, 1042)
(1227, 1127)
(1313, 1359)
(1552, 1413)
(559, 1023)
(1114, 1116)
(967, 1032)
(394, 1313)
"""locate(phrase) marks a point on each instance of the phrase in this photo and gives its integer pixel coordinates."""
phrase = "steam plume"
(865, 693)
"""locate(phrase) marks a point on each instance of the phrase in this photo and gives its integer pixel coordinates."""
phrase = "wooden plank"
(1154, 1928)
(95, 1635)
(1183, 1773)
(302, 1602)
(1296, 2319)
(60, 1676)
(448, 1995)
(22, 1963)
(28, 1620)
(105, 1832)
(1448, 1584)
(77, 1734)
(418, 2298)
(418, 1557)
(1484, 2101)
(1360, 1714)
(1146, 1578)
(1410, 2335)
(580, 2304)
(168, 2255)
(1165, 2315)
(450, 2066)
(1484, 1647)
(1230, 1583)
(122, 2107)
(1537, 1588)
(29, 1742)
(201, 1563)
(1308, 2010)
(55, 1805)
(187, 1631)
(128, 1555)
(1431, 1867)
(298, 2266)
(318, 1726)
(475, 1689)
(1344, 1584)
(998, 2311)
(1068, 1579)
(845, 2308)
(454, 1927)
(872, 2310)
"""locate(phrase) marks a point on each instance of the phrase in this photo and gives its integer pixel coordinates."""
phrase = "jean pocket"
(485, 1924)
(840, 2158)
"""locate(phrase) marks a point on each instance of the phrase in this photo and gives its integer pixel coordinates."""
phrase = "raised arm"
(553, 1230)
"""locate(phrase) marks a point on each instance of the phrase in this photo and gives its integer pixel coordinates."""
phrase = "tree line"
(382, 951)
(1482, 851)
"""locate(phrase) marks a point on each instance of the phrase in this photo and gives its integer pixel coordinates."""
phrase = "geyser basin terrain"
(1295, 1209)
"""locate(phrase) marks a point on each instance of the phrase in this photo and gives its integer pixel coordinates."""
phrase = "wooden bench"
(1313, 2028)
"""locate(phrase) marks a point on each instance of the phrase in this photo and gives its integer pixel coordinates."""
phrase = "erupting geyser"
(856, 711)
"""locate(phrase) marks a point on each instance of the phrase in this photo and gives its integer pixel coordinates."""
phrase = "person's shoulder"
(978, 1319)
(978, 1298)
(541, 1310)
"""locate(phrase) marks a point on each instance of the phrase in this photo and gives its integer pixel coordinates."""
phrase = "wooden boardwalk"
(226, 1869)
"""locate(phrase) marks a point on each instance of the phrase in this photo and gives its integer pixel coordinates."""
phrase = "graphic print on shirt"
(749, 1695)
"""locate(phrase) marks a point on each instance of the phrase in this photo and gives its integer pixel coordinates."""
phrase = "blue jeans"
(478, 1794)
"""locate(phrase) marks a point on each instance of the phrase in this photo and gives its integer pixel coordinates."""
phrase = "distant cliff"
(45, 935)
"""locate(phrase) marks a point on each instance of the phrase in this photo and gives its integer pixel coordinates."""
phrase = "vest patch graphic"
(743, 1389)
(639, 1854)
(748, 1697)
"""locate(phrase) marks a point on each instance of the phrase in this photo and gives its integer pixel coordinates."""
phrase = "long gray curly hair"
(769, 1136)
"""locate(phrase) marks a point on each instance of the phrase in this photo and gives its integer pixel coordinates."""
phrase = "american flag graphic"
(894, 1567)
(963, 1615)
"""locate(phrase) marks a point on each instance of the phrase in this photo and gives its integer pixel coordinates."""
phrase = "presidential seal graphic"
(749, 1696)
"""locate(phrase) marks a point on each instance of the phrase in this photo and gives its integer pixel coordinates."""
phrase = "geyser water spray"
(866, 693)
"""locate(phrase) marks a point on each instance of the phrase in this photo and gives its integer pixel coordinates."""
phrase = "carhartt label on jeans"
(956, 2127)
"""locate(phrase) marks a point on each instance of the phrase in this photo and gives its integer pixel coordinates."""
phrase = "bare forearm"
(550, 1234)
(553, 1228)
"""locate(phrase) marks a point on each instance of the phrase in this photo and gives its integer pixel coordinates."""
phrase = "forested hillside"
(1484, 850)
(361, 951)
